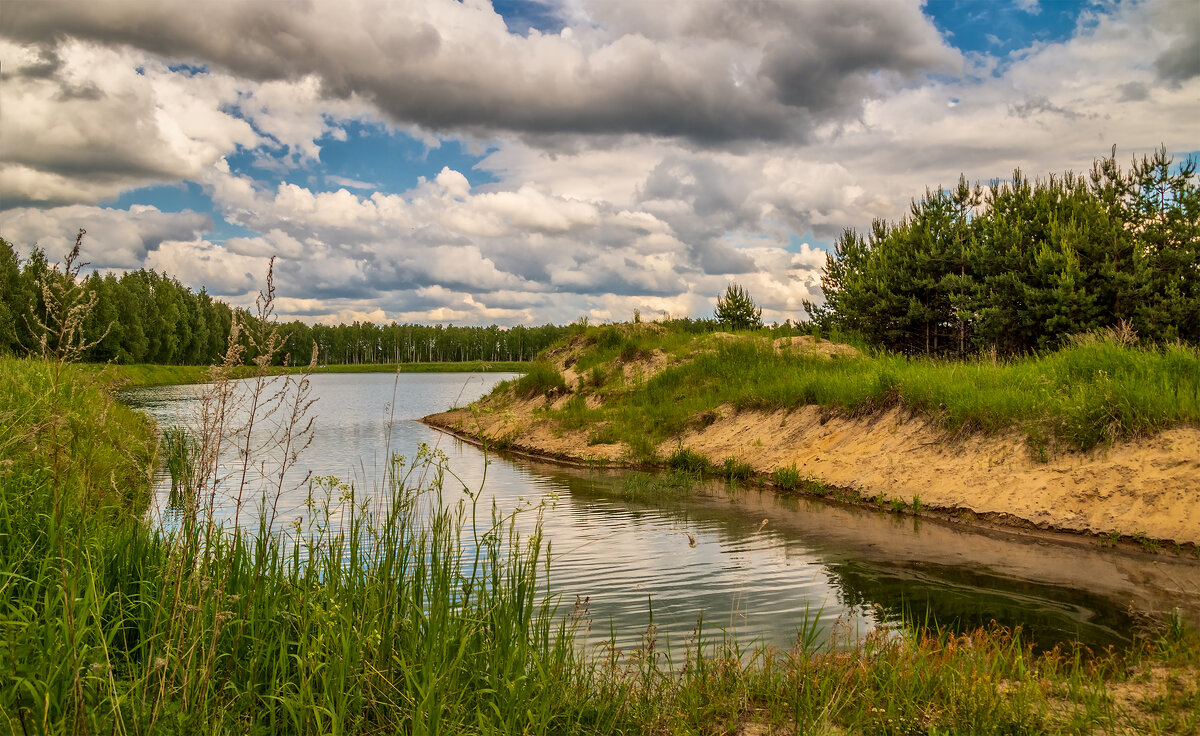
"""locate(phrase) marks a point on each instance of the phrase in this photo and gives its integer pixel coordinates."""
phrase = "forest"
(1020, 265)
(146, 317)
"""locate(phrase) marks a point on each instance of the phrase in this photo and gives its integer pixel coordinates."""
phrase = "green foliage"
(686, 459)
(737, 310)
(659, 487)
(734, 469)
(1022, 265)
(542, 379)
(103, 448)
(419, 620)
(787, 478)
(146, 317)
(179, 450)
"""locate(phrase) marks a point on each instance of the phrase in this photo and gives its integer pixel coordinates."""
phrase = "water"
(712, 555)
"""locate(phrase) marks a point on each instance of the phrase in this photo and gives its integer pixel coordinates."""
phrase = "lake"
(753, 563)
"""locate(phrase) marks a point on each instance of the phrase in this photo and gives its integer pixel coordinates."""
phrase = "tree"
(737, 309)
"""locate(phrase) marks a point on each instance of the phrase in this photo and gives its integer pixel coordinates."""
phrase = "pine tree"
(737, 309)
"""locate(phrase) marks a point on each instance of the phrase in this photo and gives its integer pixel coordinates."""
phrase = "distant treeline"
(146, 317)
(139, 317)
(1021, 265)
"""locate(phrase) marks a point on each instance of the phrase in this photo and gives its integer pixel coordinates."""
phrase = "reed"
(426, 613)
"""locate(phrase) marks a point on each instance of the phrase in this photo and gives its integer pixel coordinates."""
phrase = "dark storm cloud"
(44, 67)
(1033, 106)
(1181, 61)
(831, 68)
(1133, 92)
(716, 71)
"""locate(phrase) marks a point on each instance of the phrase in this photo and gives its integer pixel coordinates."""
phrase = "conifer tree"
(737, 309)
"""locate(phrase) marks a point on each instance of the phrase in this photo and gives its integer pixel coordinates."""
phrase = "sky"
(533, 161)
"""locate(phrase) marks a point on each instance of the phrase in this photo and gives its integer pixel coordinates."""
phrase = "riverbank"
(1100, 438)
(112, 626)
(145, 374)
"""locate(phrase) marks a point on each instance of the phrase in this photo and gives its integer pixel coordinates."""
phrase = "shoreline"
(993, 517)
(151, 374)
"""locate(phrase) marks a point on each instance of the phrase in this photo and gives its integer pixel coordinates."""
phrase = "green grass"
(541, 379)
(425, 615)
(67, 429)
(787, 478)
(145, 374)
(1093, 392)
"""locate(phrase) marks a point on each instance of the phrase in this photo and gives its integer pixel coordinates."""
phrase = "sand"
(1147, 488)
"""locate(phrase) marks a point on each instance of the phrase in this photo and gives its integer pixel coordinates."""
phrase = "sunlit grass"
(426, 614)
(1094, 391)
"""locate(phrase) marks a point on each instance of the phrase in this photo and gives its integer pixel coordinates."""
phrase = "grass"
(1093, 392)
(541, 379)
(145, 374)
(65, 427)
(787, 478)
(423, 614)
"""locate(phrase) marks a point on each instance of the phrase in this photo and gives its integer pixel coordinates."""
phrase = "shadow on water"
(893, 568)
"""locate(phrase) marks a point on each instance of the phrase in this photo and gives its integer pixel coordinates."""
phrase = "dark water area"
(754, 564)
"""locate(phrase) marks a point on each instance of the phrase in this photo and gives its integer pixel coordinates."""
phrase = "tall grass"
(424, 613)
(414, 610)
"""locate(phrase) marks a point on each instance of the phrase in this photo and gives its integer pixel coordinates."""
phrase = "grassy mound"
(645, 386)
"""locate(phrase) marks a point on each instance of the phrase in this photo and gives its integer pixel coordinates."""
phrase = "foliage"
(737, 310)
(688, 460)
(146, 317)
(428, 617)
(421, 615)
(787, 478)
(1022, 265)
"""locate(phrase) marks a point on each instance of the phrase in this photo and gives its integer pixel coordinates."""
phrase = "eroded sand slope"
(1150, 486)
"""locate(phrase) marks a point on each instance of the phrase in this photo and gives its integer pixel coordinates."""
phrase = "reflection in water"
(713, 556)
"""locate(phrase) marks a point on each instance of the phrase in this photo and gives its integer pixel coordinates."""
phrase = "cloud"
(342, 181)
(82, 123)
(706, 70)
(1180, 61)
(643, 158)
(116, 239)
(224, 273)
(1033, 7)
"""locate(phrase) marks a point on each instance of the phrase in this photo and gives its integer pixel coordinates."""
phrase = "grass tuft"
(543, 379)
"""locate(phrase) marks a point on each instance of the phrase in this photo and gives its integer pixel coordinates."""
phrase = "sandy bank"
(1150, 487)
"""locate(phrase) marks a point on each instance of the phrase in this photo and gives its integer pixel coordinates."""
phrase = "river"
(754, 564)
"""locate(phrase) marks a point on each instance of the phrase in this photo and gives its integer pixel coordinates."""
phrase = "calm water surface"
(753, 563)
